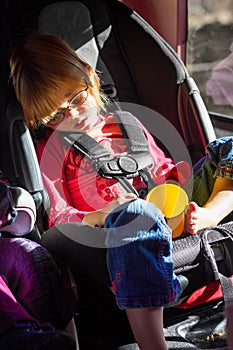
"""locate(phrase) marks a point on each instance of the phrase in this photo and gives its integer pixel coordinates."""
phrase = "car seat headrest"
(71, 21)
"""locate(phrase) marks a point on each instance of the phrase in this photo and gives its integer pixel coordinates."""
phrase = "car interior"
(139, 72)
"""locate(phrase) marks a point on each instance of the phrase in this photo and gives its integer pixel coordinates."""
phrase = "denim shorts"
(218, 162)
(139, 256)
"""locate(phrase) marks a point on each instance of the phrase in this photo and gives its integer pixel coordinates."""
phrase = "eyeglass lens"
(77, 101)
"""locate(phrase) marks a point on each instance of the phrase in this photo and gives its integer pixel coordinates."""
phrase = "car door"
(201, 32)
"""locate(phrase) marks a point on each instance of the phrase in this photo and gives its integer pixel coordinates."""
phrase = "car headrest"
(71, 21)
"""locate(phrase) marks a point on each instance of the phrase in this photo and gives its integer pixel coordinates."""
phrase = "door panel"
(168, 17)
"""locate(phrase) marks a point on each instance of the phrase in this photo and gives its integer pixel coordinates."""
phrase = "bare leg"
(147, 327)
(71, 329)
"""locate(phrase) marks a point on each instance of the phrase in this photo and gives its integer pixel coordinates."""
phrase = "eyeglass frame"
(70, 104)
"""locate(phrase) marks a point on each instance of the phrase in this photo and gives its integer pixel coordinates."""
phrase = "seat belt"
(138, 161)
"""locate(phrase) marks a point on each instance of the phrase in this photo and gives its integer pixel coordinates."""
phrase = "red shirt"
(75, 189)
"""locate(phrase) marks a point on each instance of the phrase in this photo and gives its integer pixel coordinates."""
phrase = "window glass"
(210, 52)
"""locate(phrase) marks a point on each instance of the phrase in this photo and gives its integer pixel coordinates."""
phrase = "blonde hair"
(42, 68)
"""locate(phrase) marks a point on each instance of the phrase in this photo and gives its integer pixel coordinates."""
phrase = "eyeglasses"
(59, 116)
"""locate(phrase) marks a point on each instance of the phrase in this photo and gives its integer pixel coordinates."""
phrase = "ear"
(89, 70)
(91, 74)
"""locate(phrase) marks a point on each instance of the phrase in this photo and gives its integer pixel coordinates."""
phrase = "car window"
(210, 52)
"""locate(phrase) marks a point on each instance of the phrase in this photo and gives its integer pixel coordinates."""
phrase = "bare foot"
(197, 218)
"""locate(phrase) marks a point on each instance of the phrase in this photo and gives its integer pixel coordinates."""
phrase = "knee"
(138, 209)
(136, 220)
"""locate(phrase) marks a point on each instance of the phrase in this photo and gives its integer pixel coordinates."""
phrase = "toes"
(193, 207)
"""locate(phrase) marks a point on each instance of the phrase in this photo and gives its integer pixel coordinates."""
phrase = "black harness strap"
(135, 140)
(137, 162)
(132, 132)
(86, 145)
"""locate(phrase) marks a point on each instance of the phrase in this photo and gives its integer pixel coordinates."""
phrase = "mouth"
(81, 124)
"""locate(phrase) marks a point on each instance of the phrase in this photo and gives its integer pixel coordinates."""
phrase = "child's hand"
(98, 217)
(120, 199)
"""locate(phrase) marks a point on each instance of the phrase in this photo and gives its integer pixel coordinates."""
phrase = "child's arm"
(98, 217)
(218, 206)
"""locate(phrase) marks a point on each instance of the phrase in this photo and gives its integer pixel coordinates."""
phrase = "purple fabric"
(10, 309)
(35, 281)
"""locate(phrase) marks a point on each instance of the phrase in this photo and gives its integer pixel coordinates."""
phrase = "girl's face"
(78, 114)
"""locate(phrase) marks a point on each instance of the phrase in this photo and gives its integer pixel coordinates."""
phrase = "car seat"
(137, 67)
(135, 63)
(19, 165)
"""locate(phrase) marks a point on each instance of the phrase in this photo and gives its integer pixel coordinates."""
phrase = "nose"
(72, 112)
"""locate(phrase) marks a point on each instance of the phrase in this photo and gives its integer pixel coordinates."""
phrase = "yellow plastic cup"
(171, 199)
